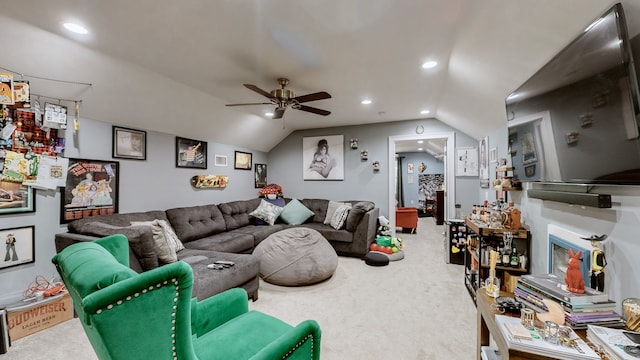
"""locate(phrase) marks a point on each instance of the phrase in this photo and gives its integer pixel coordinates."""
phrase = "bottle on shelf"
(459, 214)
(499, 257)
(506, 256)
(515, 260)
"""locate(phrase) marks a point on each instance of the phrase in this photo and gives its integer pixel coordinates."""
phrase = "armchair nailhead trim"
(310, 336)
(173, 314)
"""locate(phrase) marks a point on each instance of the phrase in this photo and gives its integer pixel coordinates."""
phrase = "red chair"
(407, 217)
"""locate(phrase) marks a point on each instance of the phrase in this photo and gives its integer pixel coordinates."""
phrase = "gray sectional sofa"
(224, 231)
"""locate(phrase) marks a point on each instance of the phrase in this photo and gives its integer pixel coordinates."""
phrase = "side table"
(487, 328)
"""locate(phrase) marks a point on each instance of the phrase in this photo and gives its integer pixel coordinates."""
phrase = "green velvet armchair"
(152, 315)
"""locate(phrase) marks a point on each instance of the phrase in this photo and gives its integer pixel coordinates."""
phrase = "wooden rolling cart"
(480, 240)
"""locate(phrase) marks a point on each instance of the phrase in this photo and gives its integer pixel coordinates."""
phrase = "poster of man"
(261, 175)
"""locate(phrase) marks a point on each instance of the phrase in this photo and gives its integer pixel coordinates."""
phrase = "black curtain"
(399, 182)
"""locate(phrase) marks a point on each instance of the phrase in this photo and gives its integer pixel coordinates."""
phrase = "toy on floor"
(390, 246)
(384, 228)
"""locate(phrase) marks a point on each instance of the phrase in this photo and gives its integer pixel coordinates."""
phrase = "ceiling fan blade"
(278, 113)
(314, 110)
(258, 90)
(312, 97)
(262, 103)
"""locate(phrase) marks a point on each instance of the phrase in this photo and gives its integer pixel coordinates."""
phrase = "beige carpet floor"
(415, 308)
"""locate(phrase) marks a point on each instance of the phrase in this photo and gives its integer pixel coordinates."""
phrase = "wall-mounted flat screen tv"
(576, 119)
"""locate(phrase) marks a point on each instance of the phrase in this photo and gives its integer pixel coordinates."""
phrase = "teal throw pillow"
(295, 213)
(267, 212)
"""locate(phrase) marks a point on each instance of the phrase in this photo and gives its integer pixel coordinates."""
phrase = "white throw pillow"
(171, 235)
(165, 239)
(331, 209)
(340, 216)
(267, 212)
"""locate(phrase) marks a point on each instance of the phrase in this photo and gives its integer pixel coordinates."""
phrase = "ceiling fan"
(283, 98)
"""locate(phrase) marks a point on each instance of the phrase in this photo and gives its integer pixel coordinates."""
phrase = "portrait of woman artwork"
(323, 157)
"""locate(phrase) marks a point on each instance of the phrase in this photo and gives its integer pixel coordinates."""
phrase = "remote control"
(224, 262)
(215, 266)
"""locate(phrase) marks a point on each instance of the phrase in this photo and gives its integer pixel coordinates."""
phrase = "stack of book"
(592, 307)
(522, 339)
(613, 343)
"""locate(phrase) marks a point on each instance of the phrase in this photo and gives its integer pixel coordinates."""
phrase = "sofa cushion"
(236, 213)
(121, 220)
(140, 241)
(195, 222)
(165, 239)
(331, 209)
(295, 213)
(319, 208)
(356, 213)
(267, 212)
(230, 241)
(340, 216)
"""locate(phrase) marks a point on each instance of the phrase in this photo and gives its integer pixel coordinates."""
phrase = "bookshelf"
(481, 239)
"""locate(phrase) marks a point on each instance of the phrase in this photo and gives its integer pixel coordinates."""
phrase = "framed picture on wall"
(242, 160)
(220, 160)
(16, 198)
(467, 161)
(129, 143)
(191, 153)
(484, 161)
(323, 157)
(261, 175)
(91, 189)
(20, 245)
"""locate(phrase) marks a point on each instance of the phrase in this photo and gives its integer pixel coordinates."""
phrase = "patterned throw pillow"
(295, 213)
(267, 212)
(331, 209)
(279, 202)
(340, 216)
(166, 241)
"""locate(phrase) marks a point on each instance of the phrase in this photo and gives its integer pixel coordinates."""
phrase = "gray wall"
(144, 185)
(620, 223)
(434, 166)
(360, 181)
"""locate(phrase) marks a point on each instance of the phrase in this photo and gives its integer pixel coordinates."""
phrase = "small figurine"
(574, 279)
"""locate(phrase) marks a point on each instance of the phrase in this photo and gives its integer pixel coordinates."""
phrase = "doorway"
(449, 180)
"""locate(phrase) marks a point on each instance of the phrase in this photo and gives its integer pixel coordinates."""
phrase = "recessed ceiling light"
(420, 141)
(78, 29)
(269, 114)
(366, 102)
(429, 64)
(420, 149)
(424, 112)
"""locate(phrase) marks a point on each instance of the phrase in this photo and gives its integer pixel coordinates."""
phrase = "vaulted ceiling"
(172, 66)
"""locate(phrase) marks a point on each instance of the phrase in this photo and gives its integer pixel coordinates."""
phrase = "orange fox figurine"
(574, 279)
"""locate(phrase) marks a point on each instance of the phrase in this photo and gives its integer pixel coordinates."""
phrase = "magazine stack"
(526, 340)
(593, 307)
(613, 343)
